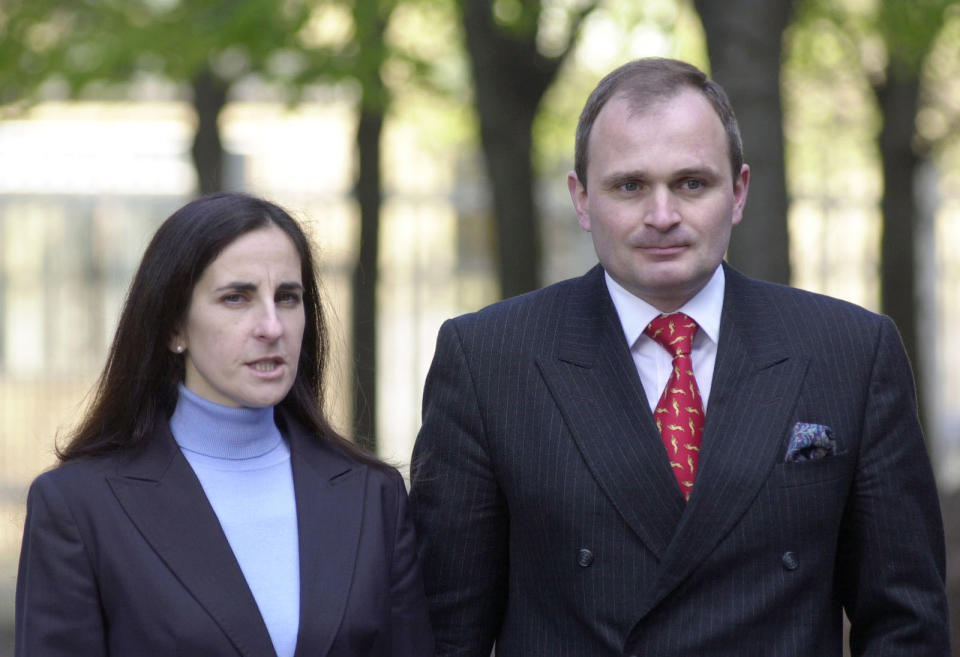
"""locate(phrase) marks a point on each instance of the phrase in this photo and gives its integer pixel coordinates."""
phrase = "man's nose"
(661, 211)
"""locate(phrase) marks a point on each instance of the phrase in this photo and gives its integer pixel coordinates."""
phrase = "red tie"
(679, 413)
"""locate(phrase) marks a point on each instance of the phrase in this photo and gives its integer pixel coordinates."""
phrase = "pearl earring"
(179, 348)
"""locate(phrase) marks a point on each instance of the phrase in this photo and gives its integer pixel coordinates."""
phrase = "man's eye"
(693, 184)
(629, 186)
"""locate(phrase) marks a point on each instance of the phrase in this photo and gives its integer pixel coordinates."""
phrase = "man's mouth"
(663, 248)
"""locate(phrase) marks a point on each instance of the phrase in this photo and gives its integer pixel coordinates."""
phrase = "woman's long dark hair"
(137, 390)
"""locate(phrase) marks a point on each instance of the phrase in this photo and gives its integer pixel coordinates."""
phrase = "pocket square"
(809, 442)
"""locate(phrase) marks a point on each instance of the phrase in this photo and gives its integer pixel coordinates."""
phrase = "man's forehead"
(639, 104)
(689, 140)
(687, 112)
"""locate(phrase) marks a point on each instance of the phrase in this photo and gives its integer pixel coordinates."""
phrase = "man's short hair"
(643, 82)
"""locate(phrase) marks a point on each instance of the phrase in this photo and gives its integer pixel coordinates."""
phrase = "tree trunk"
(507, 145)
(899, 100)
(744, 41)
(371, 18)
(365, 278)
(209, 99)
(510, 77)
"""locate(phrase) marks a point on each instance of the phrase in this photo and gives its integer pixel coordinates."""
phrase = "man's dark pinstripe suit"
(551, 524)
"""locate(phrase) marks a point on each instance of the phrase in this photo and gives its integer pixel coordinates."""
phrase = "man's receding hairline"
(638, 107)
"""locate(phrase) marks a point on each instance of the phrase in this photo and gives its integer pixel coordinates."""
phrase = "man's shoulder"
(532, 306)
(786, 296)
(801, 315)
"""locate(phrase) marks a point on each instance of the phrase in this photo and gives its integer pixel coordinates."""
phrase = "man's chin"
(668, 290)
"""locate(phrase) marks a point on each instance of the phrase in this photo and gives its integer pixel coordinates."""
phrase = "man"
(664, 457)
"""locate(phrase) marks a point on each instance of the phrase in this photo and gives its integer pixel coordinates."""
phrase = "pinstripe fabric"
(551, 525)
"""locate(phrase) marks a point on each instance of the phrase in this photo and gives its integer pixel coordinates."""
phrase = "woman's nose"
(269, 327)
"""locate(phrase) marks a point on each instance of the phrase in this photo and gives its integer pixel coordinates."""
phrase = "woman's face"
(244, 326)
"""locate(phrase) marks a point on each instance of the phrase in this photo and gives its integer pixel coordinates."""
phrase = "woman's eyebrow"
(244, 286)
(240, 286)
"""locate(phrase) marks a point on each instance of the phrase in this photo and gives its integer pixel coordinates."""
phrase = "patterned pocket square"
(809, 442)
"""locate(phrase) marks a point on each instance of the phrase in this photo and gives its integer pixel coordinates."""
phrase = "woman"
(205, 506)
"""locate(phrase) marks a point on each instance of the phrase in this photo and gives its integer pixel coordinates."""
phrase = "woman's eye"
(290, 298)
(234, 298)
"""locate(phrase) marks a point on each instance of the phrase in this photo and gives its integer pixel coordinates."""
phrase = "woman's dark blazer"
(122, 555)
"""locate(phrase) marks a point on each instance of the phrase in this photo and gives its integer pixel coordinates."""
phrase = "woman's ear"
(177, 344)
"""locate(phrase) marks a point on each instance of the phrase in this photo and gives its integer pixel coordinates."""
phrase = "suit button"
(584, 557)
(790, 561)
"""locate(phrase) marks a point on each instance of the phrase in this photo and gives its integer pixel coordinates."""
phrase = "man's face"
(660, 200)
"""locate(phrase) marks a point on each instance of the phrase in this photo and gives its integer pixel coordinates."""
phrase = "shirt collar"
(704, 308)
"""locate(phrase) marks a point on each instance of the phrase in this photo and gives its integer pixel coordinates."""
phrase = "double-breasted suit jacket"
(550, 521)
(123, 556)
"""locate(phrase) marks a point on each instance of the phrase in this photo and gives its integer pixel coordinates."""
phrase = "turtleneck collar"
(223, 432)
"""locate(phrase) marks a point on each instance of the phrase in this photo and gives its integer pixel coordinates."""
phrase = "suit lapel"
(594, 382)
(164, 499)
(755, 387)
(330, 492)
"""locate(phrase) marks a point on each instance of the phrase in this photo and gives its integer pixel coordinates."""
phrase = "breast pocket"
(810, 473)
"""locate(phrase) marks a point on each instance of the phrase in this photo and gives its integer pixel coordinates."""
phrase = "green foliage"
(360, 58)
(88, 41)
(901, 32)
(519, 17)
(852, 42)
(909, 28)
(83, 42)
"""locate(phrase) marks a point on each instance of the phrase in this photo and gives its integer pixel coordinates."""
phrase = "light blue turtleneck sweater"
(243, 464)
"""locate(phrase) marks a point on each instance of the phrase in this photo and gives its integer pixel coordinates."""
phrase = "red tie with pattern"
(679, 413)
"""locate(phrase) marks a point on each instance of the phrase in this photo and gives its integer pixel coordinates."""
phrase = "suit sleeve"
(459, 510)
(410, 623)
(57, 600)
(891, 565)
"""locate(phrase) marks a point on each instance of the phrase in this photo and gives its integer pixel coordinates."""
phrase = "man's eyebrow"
(701, 171)
(618, 177)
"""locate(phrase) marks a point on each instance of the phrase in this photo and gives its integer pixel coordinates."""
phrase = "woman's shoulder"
(386, 474)
(343, 459)
(80, 483)
(332, 455)
(81, 469)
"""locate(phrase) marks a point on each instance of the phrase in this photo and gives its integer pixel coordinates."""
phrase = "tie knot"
(674, 332)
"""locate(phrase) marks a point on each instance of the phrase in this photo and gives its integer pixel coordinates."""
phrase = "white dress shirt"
(654, 363)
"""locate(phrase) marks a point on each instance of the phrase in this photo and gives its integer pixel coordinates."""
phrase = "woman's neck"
(207, 428)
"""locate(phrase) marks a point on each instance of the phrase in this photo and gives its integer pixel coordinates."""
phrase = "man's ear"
(740, 188)
(578, 194)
